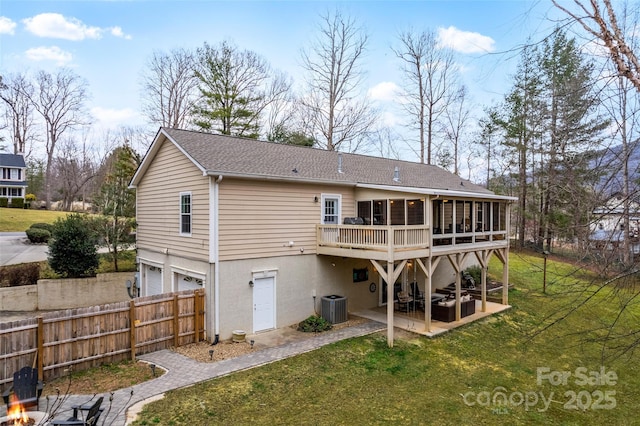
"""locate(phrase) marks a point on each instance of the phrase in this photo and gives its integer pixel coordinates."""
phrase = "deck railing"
(373, 237)
(396, 238)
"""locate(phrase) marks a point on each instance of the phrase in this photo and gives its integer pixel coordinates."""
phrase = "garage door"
(153, 284)
(185, 282)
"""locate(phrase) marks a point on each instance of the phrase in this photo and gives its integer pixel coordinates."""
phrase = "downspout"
(216, 258)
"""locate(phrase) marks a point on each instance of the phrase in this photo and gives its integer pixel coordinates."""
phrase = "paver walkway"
(183, 371)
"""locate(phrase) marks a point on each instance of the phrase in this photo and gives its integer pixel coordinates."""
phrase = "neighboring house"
(271, 230)
(13, 181)
(609, 223)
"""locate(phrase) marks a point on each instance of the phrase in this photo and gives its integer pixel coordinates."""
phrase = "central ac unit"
(334, 309)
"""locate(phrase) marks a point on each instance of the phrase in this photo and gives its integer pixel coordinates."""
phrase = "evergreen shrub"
(314, 324)
(17, 203)
(72, 248)
(38, 235)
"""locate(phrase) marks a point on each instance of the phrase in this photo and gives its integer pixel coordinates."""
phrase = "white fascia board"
(151, 153)
(441, 192)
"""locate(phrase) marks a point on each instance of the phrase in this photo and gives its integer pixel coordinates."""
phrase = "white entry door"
(263, 304)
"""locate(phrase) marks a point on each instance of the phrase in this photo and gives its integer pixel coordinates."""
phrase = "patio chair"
(26, 389)
(404, 301)
(90, 419)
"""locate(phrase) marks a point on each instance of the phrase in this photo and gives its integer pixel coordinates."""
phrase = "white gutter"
(214, 240)
(440, 192)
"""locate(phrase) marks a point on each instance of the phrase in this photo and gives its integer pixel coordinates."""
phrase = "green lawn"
(19, 220)
(455, 379)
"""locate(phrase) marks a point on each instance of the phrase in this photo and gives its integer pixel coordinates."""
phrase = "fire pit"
(17, 416)
(24, 418)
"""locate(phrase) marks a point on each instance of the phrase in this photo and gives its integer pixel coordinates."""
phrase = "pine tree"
(572, 128)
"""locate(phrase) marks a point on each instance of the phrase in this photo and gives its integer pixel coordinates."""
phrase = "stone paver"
(183, 371)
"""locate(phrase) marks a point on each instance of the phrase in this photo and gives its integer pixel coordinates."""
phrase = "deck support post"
(390, 275)
(390, 288)
(428, 268)
(483, 259)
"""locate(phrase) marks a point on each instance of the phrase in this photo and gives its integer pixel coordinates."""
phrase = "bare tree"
(136, 137)
(282, 118)
(599, 19)
(488, 133)
(16, 92)
(60, 101)
(73, 169)
(430, 82)
(382, 143)
(623, 106)
(169, 88)
(456, 119)
(335, 113)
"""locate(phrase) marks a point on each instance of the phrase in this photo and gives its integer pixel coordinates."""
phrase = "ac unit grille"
(334, 309)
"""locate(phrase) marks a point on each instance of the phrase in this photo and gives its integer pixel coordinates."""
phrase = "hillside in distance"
(608, 163)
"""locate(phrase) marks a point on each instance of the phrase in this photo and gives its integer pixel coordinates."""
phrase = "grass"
(19, 220)
(126, 263)
(102, 379)
(455, 379)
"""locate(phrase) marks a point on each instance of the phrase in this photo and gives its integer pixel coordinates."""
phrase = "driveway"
(15, 248)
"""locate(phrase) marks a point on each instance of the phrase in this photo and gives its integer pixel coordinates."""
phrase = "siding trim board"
(150, 262)
(179, 270)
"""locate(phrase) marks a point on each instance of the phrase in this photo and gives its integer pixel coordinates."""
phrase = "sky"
(108, 42)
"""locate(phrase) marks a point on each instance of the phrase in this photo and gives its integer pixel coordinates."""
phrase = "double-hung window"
(331, 209)
(185, 213)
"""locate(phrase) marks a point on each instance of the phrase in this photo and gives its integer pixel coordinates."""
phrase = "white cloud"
(385, 91)
(54, 25)
(7, 26)
(53, 53)
(117, 32)
(465, 41)
(390, 119)
(108, 118)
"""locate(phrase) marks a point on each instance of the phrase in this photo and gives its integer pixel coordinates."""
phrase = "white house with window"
(14, 176)
(270, 231)
(610, 224)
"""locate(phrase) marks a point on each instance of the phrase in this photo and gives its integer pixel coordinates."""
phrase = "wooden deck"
(394, 243)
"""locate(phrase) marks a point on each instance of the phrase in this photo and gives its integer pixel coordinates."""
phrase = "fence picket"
(86, 337)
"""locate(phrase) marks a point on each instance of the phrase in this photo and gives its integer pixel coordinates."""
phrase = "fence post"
(132, 329)
(201, 328)
(176, 322)
(196, 333)
(197, 313)
(40, 353)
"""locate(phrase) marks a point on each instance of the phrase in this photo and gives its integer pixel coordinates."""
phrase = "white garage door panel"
(154, 281)
(186, 282)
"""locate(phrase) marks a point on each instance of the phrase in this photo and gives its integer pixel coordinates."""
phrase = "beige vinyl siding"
(158, 198)
(259, 218)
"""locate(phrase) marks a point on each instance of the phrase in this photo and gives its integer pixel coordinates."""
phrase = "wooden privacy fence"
(81, 338)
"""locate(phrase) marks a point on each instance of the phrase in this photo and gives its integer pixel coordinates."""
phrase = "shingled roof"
(12, 160)
(228, 155)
